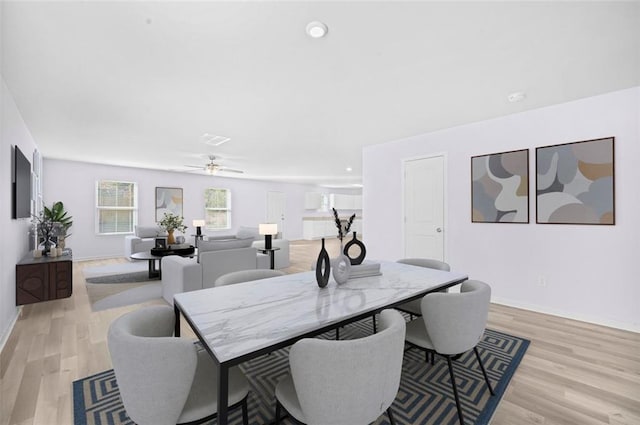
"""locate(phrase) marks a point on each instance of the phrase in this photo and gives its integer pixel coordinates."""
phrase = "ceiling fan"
(213, 168)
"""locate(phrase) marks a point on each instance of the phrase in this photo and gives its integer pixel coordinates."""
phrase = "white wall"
(14, 242)
(73, 183)
(590, 270)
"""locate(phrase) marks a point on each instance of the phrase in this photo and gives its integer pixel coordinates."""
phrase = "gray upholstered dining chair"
(347, 382)
(452, 324)
(246, 276)
(163, 379)
(413, 307)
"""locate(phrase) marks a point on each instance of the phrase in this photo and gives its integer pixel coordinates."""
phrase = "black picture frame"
(580, 177)
(492, 201)
(168, 200)
(161, 243)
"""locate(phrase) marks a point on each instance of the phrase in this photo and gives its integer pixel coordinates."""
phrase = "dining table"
(236, 323)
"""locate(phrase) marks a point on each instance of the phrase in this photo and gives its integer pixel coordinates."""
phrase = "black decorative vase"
(323, 267)
(363, 251)
(46, 247)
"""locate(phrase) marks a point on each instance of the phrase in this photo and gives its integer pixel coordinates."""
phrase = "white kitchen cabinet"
(308, 230)
(321, 227)
(314, 229)
(313, 200)
(345, 202)
(357, 202)
(328, 229)
(356, 226)
(335, 201)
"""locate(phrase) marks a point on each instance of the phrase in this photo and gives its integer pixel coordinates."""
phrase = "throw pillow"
(149, 231)
(247, 233)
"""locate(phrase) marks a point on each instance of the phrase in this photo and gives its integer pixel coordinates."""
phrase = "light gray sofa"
(281, 256)
(143, 240)
(215, 258)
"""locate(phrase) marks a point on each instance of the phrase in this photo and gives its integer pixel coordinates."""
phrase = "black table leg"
(176, 328)
(272, 258)
(223, 394)
(153, 272)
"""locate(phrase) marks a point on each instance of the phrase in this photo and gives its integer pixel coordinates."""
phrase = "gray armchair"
(413, 307)
(344, 382)
(453, 324)
(163, 379)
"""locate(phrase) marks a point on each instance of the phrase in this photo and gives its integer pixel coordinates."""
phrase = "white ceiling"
(139, 83)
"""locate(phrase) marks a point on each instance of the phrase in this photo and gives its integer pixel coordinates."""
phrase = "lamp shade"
(198, 223)
(268, 228)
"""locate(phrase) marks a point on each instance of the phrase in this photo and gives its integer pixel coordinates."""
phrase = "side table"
(197, 238)
(271, 252)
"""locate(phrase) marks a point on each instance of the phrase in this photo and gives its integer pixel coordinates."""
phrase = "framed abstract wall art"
(500, 187)
(575, 183)
(168, 200)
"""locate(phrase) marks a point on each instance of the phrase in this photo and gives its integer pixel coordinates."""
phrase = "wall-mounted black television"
(21, 185)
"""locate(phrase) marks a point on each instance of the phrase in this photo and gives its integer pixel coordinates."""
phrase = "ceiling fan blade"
(178, 170)
(195, 166)
(230, 170)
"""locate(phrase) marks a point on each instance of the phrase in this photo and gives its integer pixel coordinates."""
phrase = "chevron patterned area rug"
(425, 395)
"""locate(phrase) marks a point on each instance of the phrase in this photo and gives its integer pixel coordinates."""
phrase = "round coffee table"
(147, 255)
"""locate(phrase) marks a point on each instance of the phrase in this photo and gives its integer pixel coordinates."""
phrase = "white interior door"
(276, 203)
(424, 208)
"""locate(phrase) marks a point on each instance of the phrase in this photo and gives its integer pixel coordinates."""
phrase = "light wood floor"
(573, 372)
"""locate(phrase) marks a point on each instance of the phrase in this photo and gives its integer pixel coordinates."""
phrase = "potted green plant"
(171, 222)
(57, 214)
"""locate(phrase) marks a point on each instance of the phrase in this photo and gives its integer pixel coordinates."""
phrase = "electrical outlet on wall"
(542, 281)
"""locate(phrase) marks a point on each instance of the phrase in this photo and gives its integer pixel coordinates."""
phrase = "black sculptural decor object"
(342, 232)
(363, 251)
(323, 267)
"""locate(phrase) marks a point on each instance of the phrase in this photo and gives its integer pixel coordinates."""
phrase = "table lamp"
(198, 224)
(267, 229)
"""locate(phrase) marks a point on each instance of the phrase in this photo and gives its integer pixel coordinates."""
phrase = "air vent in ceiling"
(214, 140)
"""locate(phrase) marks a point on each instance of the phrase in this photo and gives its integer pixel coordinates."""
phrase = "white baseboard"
(631, 327)
(5, 335)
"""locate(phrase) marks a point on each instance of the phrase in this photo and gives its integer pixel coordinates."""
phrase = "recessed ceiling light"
(516, 97)
(349, 169)
(317, 29)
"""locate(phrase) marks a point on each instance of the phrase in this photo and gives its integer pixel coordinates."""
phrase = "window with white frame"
(116, 207)
(217, 208)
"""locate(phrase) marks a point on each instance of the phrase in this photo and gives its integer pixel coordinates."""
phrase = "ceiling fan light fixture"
(212, 169)
(316, 29)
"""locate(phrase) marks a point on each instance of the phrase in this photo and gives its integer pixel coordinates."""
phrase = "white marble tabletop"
(244, 318)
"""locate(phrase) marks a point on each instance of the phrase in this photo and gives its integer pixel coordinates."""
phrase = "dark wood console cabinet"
(43, 279)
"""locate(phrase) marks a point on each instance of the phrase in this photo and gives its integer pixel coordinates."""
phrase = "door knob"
(439, 230)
